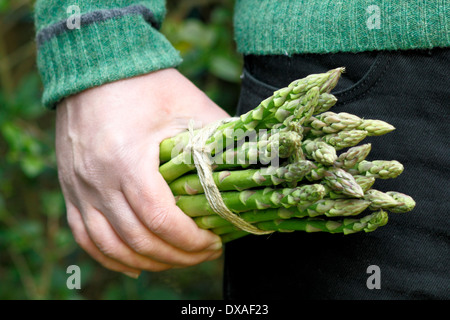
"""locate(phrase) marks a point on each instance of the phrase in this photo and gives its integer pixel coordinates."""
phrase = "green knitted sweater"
(82, 44)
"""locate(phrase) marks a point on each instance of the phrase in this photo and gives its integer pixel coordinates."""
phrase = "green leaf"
(4, 5)
(53, 203)
(32, 165)
(225, 68)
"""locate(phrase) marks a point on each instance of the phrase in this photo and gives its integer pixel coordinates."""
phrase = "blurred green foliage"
(36, 245)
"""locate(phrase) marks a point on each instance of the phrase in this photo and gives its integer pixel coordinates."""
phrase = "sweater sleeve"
(82, 44)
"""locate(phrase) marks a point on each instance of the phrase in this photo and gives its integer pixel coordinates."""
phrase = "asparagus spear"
(344, 139)
(172, 145)
(364, 182)
(234, 235)
(392, 201)
(319, 151)
(326, 101)
(221, 225)
(296, 89)
(330, 122)
(266, 150)
(343, 182)
(333, 208)
(346, 226)
(323, 207)
(408, 202)
(244, 179)
(300, 109)
(380, 200)
(380, 169)
(325, 81)
(197, 205)
(353, 156)
(375, 127)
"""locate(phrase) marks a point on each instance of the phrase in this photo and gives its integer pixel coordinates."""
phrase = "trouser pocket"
(263, 75)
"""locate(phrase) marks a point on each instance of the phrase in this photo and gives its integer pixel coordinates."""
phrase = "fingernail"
(131, 274)
(215, 246)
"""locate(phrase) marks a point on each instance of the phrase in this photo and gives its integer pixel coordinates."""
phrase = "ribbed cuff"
(99, 52)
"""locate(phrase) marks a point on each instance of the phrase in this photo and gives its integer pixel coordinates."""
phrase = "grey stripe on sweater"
(96, 16)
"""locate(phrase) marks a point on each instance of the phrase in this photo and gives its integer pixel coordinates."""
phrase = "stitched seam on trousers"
(259, 82)
(370, 88)
(364, 83)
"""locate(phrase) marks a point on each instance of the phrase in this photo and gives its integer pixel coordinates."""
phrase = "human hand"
(120, 209)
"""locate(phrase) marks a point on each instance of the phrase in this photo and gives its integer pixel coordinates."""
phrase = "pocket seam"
(367, 82)
(247, 73)
(361, 88)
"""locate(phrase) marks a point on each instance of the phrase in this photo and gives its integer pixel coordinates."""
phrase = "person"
(111, 76)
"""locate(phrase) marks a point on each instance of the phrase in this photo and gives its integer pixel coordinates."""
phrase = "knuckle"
(108, 248)
(89, 169)
(157, 221)
(141, 245)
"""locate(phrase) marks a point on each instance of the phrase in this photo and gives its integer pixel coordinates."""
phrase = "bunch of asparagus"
(303, 171)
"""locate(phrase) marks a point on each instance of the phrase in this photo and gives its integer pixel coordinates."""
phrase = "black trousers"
(410, 90)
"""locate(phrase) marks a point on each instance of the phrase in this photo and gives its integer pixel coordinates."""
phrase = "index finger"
(153, 202)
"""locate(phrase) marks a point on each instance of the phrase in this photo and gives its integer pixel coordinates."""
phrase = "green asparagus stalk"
(342, 182)
(244, 179)
(295, 90)
(353, 156)
(267, 149)
(175, 144)
(333, 208)
(326, 101)
(180, 141)
(323, 207)
(216, 222)
(330, 122)
(408, 202)
(325, 81)
(197, 205)
(337, 179)
(344, 139)
(380, 200)
(319, 151)
(375, 127)
(346, 226)
(395, 202)
(380, 169)
(234, 235)
(364, 182)
(300, 109)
